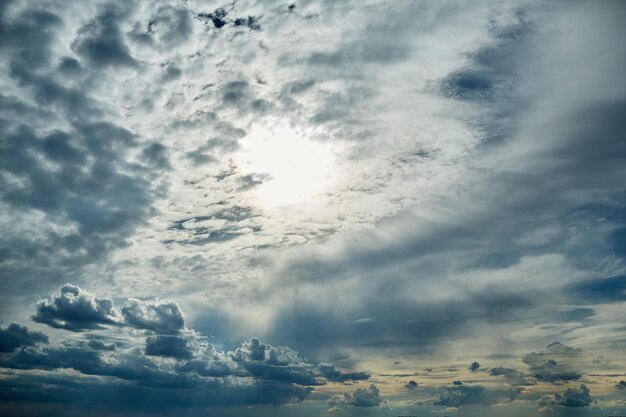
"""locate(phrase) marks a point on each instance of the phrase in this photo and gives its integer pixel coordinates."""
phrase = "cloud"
(275, 363)
(460, 395)
(411, 385)
(219, 18)
(555, 363)
(361, 397)
(15, 336)
(477, 187)
(101, 42)
(162, 317)
(176, 359)
(474, 366)
(599, 290)
(216, 376)
(558, 348)
(250, 181)
(170, 26)
(329, 372)
(99, 344)
(27, 36)
(76, 310)
(169, 346)
(502, 371)
(209, 362)
(572, 397)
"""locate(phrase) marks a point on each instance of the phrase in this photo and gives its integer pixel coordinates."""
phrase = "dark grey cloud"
(502, 371)
(329, 372)
(556, 363)
(617, 239)
(274, 363)
(27, 36)
(15, 336)
(240, 95)
(156, 154)
(131, 366)
(79, 394)
(50, 93)
(102, 43)
(28, 39)
(250, 181)
(232, 214)
(251, 22)
(572, 397)
(474, 366)
(79, 178)
(411, 385)
(198, 158)
(224, 222)
(406, 325)
(217, 17)
(100, 344)
(461, 395)
(221, 17)
(466, 236)
(170, 346)
(70, 66)
(76, 310)
(162, 317)
(253, 373)
(599, 290)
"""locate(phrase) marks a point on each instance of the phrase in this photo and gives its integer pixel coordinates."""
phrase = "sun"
(293, 167)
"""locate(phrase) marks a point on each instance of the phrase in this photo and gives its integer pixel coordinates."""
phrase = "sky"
(312, 208)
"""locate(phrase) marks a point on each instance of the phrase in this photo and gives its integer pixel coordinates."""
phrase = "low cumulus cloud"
(361, 397)
(76, 310)
(411, 385)
(502, 371)
(572, 397)
(269, 362)
(331, 373)
(15, 336)
(459, 395)
(158, 316)
(557, 362)
(164, 356)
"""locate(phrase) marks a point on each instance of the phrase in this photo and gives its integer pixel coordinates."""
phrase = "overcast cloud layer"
(362, 208)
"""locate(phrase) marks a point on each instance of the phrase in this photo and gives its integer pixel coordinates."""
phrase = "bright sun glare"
(293, 168)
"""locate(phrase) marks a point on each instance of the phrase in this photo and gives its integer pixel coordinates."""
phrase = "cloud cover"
(171, 366)
(474, 212)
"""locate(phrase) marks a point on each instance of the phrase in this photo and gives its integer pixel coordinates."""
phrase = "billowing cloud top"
(74, 309)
